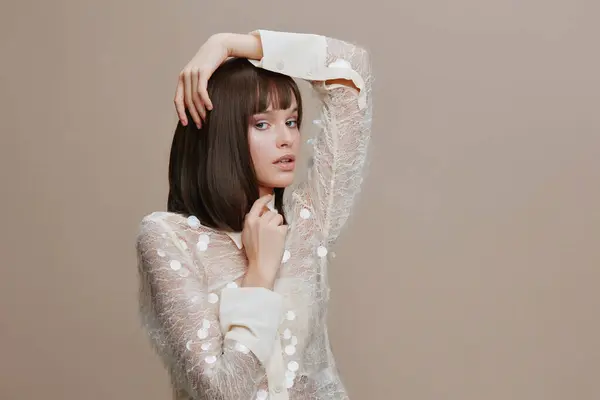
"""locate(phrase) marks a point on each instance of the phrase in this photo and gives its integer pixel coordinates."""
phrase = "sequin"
(294, 341)
(213, 298)
(262, 394)
(290, 375)
(241, 348)
(210, 359)
(193, 222)
(232, 285)
(202, 246)
(205, 324)
(290, 350)
(183, 272)
(195, 299)
(305, 213)
(317, 121)
(290, 315)
(204, 238)
(184, 245)
(175, 265)
(286, 256)
(161, 253)
(205, 346)
(287, 334)
(188, 345)
(321, 251)
(202, 333)
(289, 383)
(293, 366)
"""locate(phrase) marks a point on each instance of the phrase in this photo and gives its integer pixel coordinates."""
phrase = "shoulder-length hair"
(211, 174)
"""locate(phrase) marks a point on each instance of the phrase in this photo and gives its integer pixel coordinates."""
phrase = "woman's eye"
(292, 123)
(261, 125)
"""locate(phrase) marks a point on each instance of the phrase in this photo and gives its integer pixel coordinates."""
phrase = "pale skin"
(271, 135)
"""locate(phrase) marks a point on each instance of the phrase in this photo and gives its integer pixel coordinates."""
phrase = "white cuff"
(304, 56)
(251, 316)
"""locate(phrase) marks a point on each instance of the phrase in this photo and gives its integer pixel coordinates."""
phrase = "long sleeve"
(216, 344)
(340, 150)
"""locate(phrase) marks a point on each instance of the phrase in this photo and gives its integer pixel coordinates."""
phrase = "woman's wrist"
(253, 279)
(240, 45)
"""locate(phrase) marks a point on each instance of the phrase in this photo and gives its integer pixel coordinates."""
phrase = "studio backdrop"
(469, 269)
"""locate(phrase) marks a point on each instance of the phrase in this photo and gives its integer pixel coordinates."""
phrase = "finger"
(269, 216)
(198, 101)
(283, 229)
(276, 220)
(179, 106)
(203, 91)
(258, 207)
(188, 98)
(262, 211)
(196, 98)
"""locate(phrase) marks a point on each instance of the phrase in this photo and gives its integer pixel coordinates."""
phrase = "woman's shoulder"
(160, 229)
(164, 222)
(161, 220)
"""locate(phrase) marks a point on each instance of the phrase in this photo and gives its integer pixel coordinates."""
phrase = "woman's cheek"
(260, 150)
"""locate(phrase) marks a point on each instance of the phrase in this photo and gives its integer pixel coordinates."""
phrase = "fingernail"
(199, 126)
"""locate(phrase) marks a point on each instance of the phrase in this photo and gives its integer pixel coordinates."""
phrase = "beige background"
(472, 267)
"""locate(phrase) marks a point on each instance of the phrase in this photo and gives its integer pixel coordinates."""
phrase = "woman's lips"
(286, 162)
(286, 166)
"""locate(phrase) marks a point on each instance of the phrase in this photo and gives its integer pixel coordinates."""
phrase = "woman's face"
(274, 141)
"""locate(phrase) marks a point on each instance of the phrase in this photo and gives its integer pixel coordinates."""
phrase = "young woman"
(233, 276)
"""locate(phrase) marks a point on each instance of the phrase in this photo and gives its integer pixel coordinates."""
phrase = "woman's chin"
(281, 181)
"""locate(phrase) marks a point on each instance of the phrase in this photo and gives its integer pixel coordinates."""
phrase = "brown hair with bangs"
(211, 174)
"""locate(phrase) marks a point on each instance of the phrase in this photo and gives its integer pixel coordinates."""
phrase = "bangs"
(276, 91)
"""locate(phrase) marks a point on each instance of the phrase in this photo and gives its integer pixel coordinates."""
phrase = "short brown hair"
(211, 174)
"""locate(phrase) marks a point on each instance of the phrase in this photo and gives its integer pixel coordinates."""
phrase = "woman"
(234, 284)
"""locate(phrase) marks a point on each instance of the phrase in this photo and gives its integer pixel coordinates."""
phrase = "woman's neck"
(263, 191)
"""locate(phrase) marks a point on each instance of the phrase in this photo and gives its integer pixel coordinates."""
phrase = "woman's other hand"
(263, 236)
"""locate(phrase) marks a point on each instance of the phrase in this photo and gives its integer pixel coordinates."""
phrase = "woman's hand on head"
(192, 85)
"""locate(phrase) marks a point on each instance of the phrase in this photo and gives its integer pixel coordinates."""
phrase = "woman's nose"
(285, 136)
